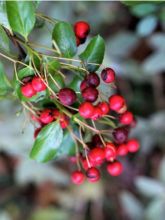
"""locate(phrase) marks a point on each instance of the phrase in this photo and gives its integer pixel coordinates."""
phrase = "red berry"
(86, 110)
(126, 118)
(92, 79)
(96, 140)
(97, 113)
(104, 107)
(116, 102)
(77, 177)
(55, 113)
(36, 132)
(27, 90)
(67, 96)
(38, 84)
(93, 174)
(64, 121)
(110, 151)
(84, 84)
(115, 168)
(120, 135)
(85, 164)
(133, 145)
(81, 29)
(108, 75)
(35, 118)
(46, 116)
(90, 94)
(97, 156)
(122, 150)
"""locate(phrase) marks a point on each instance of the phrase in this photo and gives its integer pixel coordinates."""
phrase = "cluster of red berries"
(81, 29)
(32, 86)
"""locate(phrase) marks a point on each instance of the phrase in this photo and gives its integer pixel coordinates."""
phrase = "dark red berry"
(67, 96)
(104, 107)
(86, 110)
(84, 84)
(27, 90)
(97, 113)
(110, 151)
(96, 140)
(122, 150)
(97, 156)
(78, 41)
(38, 84)
(92, 79)
(126, 118)
(90, 94)
(120, 135)
(133, 145)
(93, 174)
(81, 29)
(108, 75)
(115, 168)
(64, 121)
(116, 102)
(46, 116)
(77, 177)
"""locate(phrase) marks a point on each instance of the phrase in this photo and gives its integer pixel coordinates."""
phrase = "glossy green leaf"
(56, 83)
(5, 86)
(64, 37)
(4, 45)
(3, 15)
(47, 142)
(21, 16)
(94, 53)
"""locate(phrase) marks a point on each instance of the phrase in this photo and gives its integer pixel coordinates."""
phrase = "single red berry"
(38, 84)
(36, 132)
(67, 96)
(64, 121)
(126, 118)
(81, 29)
(115, 168)
(27, 90)
(77, 177)
(97, 113)
(108, 75)
(46, 116)
(116, 102)
(97, 156)
(56, 114)
(120, 135)
(110, 151)
(90, 94)
(86, 110)
(104, 107)
(122, 150)
(84, 84)
(93, 174)
(93, 79)
(133, 145)
(85, 163)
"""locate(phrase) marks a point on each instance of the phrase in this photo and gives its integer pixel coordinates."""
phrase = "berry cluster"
(88, 110)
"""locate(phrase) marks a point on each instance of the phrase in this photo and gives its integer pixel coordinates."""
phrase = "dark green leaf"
(47, 142)
(3, 15)
(65, 39)
(59, 82)
(4, 40)
(21, 16)
(94, 53)
(5, 86)
(51, 64)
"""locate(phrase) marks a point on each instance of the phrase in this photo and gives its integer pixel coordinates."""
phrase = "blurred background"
(135, 47)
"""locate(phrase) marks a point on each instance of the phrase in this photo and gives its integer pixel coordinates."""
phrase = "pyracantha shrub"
(61, 90)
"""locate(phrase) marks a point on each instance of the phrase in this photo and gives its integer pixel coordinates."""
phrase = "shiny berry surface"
(133, 145)
(38, 84)
(81, 29)
(116, 102)
(86, 110)
(77, 177)
(67, 96)
(97, 156)
(46, 116)
(90, 94)
(108, 75)
(27, 90)
(126, 118)
(115, 168)
(93, 174)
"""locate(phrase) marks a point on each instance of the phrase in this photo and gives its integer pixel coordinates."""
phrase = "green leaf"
(59, 82)
(21, 16)
(94, 53)
(4, 45)
(64, 37)
(5, 86)
(47, 142)
(3, 15)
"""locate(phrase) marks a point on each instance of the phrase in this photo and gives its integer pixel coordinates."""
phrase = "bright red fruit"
(133, 145)
(97, 113)
(104, 107)
(122, 150)
(116, 102)
(108, 75)
(115, 168)
(27, 90)
(81, 29)
(86, 110)
(56, 114)
(67, 96)
(38, 84)
(64, 121)
(126, 118)
(77, 177)
(46, 116)
(110, 151)
(97, 156)
(93, 174)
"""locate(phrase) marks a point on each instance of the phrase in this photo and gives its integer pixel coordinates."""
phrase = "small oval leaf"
(64, 37)
(21, 16)
(47, 142)
(94, 53)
